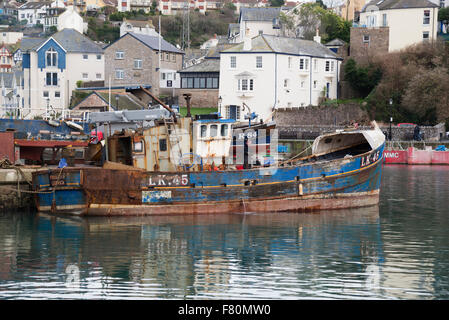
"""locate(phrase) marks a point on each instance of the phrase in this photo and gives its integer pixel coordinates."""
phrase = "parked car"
(406, 124)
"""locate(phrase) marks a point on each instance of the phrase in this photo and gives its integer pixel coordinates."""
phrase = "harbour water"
(397, 250)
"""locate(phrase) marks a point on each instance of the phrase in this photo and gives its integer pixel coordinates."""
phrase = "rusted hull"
(336, 184)
(297, 204)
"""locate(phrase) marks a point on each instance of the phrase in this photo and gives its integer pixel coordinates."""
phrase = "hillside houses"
(392, 25)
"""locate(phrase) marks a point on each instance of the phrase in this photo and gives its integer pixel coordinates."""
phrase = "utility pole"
(185, 41)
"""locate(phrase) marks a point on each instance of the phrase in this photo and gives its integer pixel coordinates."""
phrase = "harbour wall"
(15, 188)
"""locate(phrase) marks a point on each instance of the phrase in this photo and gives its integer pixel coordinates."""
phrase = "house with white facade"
(139, 27)
(131, 5)
(269, 72)
(255, 21)
(71, 19)
(52, 67)
(391, 25)
(10, 37)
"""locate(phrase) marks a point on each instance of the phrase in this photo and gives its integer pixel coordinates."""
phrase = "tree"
(362, 78)
(313, 16)
(443, 16)
(276, 3)
(427, 95)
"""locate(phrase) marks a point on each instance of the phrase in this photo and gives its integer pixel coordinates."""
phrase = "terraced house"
(52, 67)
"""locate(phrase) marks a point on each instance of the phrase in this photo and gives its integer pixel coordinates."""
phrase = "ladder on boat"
(176, 139)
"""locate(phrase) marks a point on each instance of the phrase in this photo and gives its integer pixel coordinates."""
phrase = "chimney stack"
(247, 46)
(187, 97)
(317, 37)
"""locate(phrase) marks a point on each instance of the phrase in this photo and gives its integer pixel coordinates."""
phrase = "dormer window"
(52, 57)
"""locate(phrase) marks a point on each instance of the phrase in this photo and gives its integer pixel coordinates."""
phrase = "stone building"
(368, 42)
(201, 81)
(134, 59)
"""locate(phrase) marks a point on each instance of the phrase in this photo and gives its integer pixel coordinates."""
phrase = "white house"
(129, 5)
(255, 21)
(52, 68)
(269, 72)
(10, 37)
(70, 19)
(140, 27)
(408, 21)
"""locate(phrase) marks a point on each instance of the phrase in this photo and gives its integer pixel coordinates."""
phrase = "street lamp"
(391, 118)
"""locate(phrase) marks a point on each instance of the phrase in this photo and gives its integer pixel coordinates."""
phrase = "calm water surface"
(398, 250)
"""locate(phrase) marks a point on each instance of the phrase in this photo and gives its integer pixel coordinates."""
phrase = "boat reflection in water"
(335, 254)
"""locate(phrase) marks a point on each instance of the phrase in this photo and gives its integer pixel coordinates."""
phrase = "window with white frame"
(52, 57)
(233, 62)
(426, 18)
(315, 84)
(119, 74)
(51, 79)
(384, 20)
(328, 65)
(259, 62)
(98, 75)
(315, 64)
(286, 83)
(85, 56)
(289, 62)
(245, 84)
(119, 55)
(371, 21)
(57, 94)
(425, 36)
(98, 56)
(85, 75)
(366, 38)
(137, 63)
(332, 66)
(237, 112)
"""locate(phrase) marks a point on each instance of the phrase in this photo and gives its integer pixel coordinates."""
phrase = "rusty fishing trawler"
(164, 164)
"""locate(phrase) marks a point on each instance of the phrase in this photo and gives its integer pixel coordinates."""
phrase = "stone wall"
(343, 114)
(10, 198)
(201, 98)
(310, 132)
(378, 42)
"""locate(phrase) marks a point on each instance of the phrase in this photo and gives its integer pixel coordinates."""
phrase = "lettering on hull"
(168, 180)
